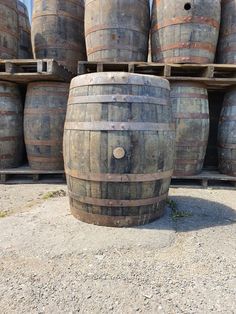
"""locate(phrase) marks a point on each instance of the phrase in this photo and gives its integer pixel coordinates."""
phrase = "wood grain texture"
(11, 126)
(227, 135)
(9, 37)
(185, 31)
(25, 47)
(191, 112)
(58, 31)
(44, 116)
(117, 30)
(106, 190)
(227, 38)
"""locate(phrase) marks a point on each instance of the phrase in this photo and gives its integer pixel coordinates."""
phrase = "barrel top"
(10, 84)
(119, 78)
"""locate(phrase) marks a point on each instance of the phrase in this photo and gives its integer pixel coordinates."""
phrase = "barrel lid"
(119, 78)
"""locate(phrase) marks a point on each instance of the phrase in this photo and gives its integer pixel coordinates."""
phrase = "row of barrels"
(45, 111)
(119, 30)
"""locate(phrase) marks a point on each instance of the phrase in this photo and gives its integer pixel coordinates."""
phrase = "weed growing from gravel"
(3, 214)
(175, 212)
(53, 194)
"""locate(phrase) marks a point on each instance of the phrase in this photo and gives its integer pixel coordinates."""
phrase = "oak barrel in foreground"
(185, 31)
(44, 117)
(191, 113)
(11, 126)
(118, 148)
(227, 135)
(117, 30)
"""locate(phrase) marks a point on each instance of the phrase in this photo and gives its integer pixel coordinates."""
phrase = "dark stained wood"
(106, 189)
(227, 135)
(11, 126)
(227, 38)
(191, 113)
(25, 48)
(185, 31)
(117, 30)
(44, 116)
(9, 37)
(58, 31)
(215, 107)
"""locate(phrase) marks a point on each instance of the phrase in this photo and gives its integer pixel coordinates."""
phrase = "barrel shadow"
(200, 214)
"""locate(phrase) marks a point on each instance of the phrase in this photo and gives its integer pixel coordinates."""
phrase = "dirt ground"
(52, 263)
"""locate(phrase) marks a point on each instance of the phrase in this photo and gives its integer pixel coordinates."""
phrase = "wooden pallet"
(24, 71)
(24, 175)
(215, 76)
(207, 178)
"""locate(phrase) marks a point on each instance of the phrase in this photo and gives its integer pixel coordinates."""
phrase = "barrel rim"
(122, 78)
(47, 84)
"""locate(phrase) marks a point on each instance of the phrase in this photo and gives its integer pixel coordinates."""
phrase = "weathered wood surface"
(30, 70)
(191, 113)
(58, 31)
(44, 117)
(227, 38)
(227, 135)
(11, 126)
(118, 166)
(117, 30)
(185, 32)
(9, 37)
(25, 47)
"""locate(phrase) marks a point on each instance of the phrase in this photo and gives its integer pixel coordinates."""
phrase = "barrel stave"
(11, 126)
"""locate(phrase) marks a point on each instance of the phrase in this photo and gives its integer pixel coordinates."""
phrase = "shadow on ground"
(200, 214)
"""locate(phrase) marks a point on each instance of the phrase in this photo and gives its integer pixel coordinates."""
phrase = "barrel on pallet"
(9, 38)
(117, 30)
(25, 48)
(191, 113)
(11, 126)
(227, 39)
(185, 31)
(44, 117)
(227, 135)
(118, 148)
(58, 31)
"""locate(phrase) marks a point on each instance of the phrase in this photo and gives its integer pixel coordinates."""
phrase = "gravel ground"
(52, 263)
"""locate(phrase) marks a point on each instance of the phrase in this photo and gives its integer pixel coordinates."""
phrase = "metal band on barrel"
(117, 203)
(116, 177)
(186, 19)
(118, 126)
(117, 98)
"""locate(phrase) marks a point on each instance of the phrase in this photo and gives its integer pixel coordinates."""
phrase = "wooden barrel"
(44, 117)
(227, 135)
(118, 148)
(9, 38)
(191, 113)
(117, 30)
(227, 39)
(185, 31)
(11, 126)
(25, 48)
(58, 31)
